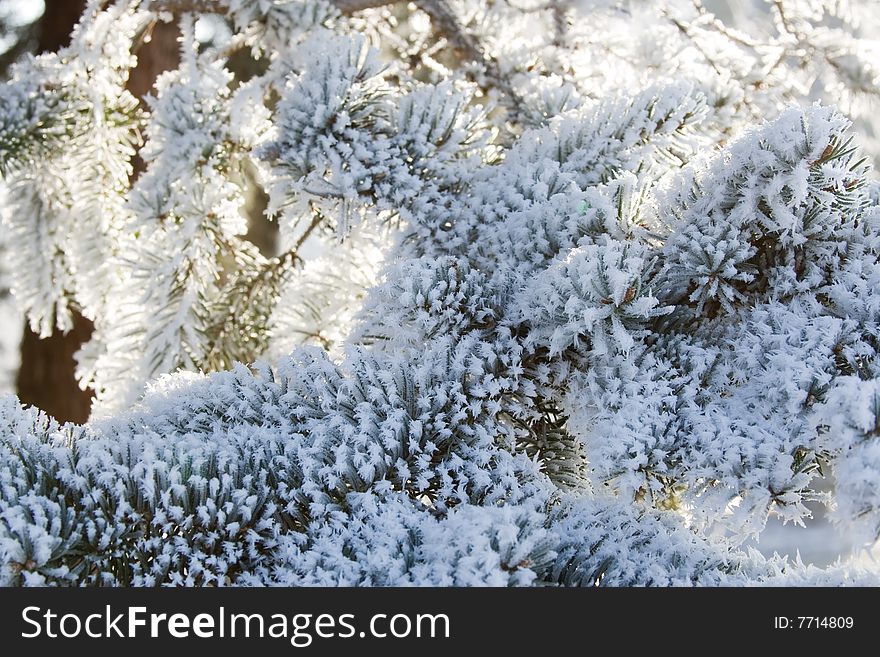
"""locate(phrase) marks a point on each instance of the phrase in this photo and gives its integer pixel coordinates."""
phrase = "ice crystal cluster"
(565, 294)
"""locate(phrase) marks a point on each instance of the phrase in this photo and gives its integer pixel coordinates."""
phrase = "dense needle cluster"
(548, 306)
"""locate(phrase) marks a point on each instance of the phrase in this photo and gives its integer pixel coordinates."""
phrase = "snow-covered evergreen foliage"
(557, 300)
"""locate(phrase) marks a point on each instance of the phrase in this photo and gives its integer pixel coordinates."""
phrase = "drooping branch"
(443, 18)
(469, 47)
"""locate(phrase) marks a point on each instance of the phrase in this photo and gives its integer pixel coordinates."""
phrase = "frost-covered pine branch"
(549, 305)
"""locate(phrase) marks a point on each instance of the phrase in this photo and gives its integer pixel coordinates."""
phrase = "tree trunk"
(46, 375)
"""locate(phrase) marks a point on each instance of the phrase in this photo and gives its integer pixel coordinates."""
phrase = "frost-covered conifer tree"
(569, 293)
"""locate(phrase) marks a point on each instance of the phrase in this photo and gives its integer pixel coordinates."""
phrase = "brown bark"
(46, 375)
(57, 23)
(160, 52)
